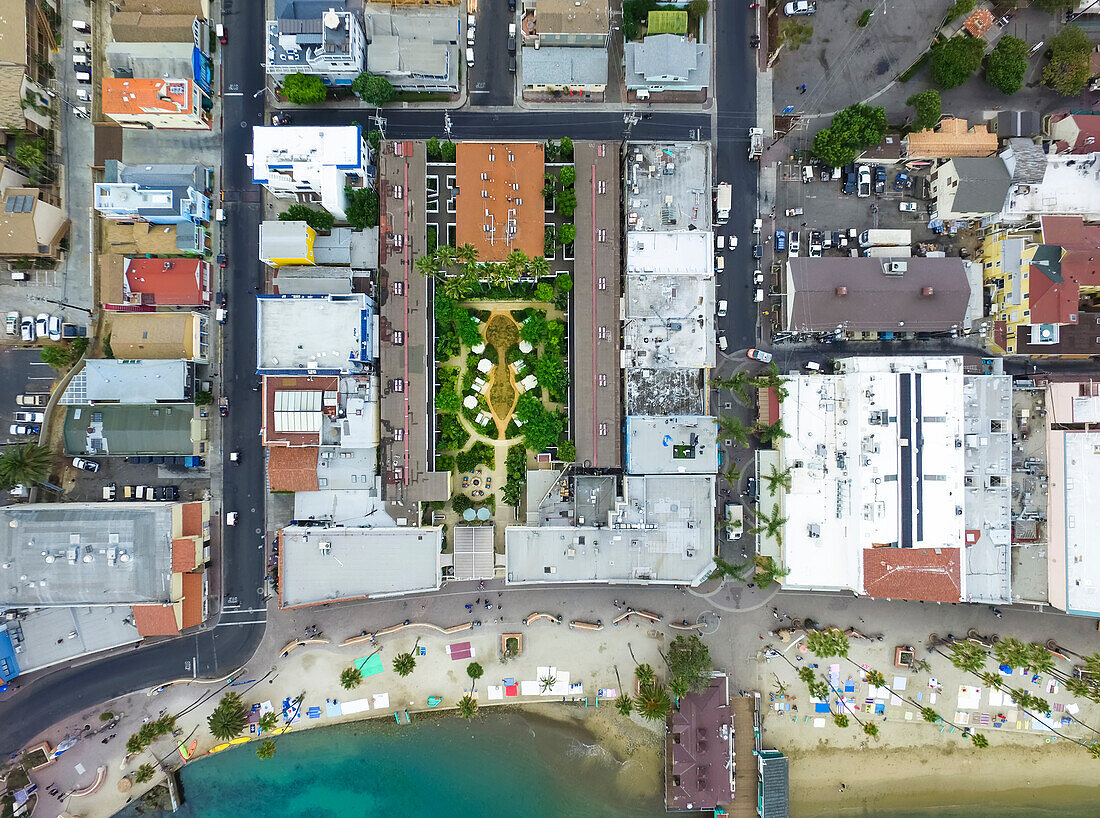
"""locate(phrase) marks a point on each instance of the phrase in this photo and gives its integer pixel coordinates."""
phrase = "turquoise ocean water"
(500, 764)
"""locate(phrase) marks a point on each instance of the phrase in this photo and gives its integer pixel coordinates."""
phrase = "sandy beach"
(924, 777)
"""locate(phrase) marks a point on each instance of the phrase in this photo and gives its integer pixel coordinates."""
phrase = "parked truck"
(756, 142)
(888, 251)
(885, 238)
(723, 201)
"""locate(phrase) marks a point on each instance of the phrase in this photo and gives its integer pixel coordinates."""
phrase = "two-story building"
(319, 39)
(170, 103)
(158, 194)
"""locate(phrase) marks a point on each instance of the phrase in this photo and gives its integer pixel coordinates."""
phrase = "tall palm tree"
(624, 704)
(517, 263)
(767, 571)
(24, 464)
(770, 432)
(350, 678)
(229, 718)
(770, 525)
(772, 380)
(778, 479)
(538, 267)
(268, 722)
(645, 675)
(467, 253)
(979, 741)
(679, 687)
(732, 426)
(546, 684)
(732, 475)
(828, 643)
(467, 707)
(737, 383)
(403, 664)
(266, 750)
(447, 256)
(427, 266)
(459, 287)
(653, 703)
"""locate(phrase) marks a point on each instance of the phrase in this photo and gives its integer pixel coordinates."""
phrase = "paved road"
(490, 82)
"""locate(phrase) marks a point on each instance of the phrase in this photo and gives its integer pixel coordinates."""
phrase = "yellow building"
(284, 244)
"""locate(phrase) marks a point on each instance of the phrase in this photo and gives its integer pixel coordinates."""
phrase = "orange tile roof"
(147, 96)
(951, 138)
(929, 574)
(292, 469)
(979, 23)
(183, 555)
(192, 600)
(512, 195)
(169, 281)
(191, 522)
(155, 620)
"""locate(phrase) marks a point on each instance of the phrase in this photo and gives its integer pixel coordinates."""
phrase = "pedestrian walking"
(802, 88)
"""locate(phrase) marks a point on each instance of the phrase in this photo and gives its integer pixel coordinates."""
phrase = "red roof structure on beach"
(918, 574)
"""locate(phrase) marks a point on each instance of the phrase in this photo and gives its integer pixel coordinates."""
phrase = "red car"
(760, 355)
(223, 407)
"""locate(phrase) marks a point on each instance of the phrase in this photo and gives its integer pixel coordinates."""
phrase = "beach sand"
(882, 781)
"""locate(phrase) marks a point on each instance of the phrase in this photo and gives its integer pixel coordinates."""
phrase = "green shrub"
(460, 502)
(929, 109)
(567, 451)
(444, 462)
(544, 291)
(452, 434)
(567, 234)
(304, 89)
(317, 219)
(362, 207)
(564, 282)
(449, 151)
(567, 176)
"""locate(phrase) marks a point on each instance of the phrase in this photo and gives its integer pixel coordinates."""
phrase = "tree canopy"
(1006, 65)
(373, 89)
(689, 659)
(24, 464)
(304, 89)
(852, 129)
(229, 717)
(362, 209)
(928, 107)
(954, 61)
(317, 219)
(1068, 71)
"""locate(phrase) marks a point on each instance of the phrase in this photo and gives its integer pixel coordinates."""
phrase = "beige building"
(161, 335)
(29, 227)
(566, 22)
(950, 139)
(142, 238)
(25, 45)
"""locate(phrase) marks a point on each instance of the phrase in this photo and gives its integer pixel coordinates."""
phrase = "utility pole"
(379, 121)
(630, 119)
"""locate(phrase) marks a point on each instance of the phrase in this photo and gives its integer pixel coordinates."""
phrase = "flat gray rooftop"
(118, 429)
(668, 186)
(670, 321)
(664, 391)
(303, 334)
(672, 445)
(661, 532)
(133, 381)
(328, 564)
(52, 635)
(85, 554)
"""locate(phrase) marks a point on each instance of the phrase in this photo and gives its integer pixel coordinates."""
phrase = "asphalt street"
(490, 82)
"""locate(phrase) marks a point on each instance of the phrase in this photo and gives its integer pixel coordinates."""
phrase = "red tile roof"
(1088, 128)
(192, 600)
(1081, 245)
(933, 575)
(1052, 302)
(979, 23)
(155, 620)
(292, 469)
(183, 555)
(192, 520)
(169, 281)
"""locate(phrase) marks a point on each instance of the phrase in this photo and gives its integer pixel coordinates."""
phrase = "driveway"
(21, 370)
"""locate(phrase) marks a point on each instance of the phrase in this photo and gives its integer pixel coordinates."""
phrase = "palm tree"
(447, 256)
(268, 722)
(350, 678)
(624, 704)
(645, 675)
(1094, 749)
(467, 707)
(144, 773)
(778, 479)
(828, 643)
(24, 464)
(871, 730)
(732, 475)
(876, 678)
(403, 664)
(968, 657)
(653, 703)
(767, 571)
(538, 267)
(459, 287)
(728, 569)
(770, 525)
(929, 715)
(734, 428)
(516, 263)
(679, 687)
(770, 432)
(546, 684)
(840, 720)
(266, 750)
(737, 384)
(979, 741)
(229, 718)
(467, 253)
(427, 266)
(771, 380)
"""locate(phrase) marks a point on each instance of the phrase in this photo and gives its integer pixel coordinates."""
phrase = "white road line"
(38, 363)
(232, 93)
(249, 622)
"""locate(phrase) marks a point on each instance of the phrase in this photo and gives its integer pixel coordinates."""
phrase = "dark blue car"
(780, 240)
(900, 181)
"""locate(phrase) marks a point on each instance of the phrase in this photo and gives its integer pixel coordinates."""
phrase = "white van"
(722, 308)
(813, 366)
(469, 56)
(758, 295)
(719, 264)
(721, 242)
(722, 343)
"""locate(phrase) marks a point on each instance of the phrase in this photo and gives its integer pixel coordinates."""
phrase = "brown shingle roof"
(141, 237)
(136, 27)
(292, 469)
(929, 574)
(11, 94)
(978, 24)
(153, 335)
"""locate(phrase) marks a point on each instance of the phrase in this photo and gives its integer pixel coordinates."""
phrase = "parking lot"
(83, 486)
(21, 371)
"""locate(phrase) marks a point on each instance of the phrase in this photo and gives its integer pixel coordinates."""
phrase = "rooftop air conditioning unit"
(895, 268)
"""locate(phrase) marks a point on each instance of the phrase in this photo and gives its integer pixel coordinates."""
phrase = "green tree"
(57, 356)
(689, 659)
(467, 707)
(827, 643)
(1006, 65)
(551, 373)
(144, 773)
(960, 8)
(204, 398)
(832, 149)
(929, 715)
(733, 426)
(304, 89)
(544, 291)
(447, 400)
(434, 150)
(403, 664)
(268, 722)
(317, 219)
(979, 741)
(861, 125)
(954, 61)
(565, 149)
(794, 34)
(373, 89)
(449, 150)
(653, 703)
(362, 207)
(567, 203)
(875, 678)
(266, 750)
(624, 704)
(765, 568)
(533, 328)
(31, 154)
(645, 675)
(475, 671)
(512, 492)
(24, 464)
(563, 282)
(567, 451)
(778, 480)
(1068, 71)
(968, 657)
(679, 687)
(567, 176)
(840, 720)
(770, 432)
(351, 678)
(929, 109)
(374, 139)
(697, 9)
(871, 730)
(567, 233)
(229, 717)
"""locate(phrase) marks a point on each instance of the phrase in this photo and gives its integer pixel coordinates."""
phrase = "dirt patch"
(502, 332)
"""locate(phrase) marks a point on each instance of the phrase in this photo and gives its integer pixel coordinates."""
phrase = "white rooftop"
(300, 159)
(661, 532)
(303, 335)
(327, 564)
(688, 252)
(134, 381)
(1075, 480)
(672, 445)
(669, 321)
(1070, 187)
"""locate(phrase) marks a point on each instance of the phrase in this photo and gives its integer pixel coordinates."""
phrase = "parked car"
(780, 240)
(807, 174)
(223, 407)
(722, 306)
(86, 465)
(41, 325)
(907, 207)
(758, 251)
(27, 329)
(54, 328)
(722, 342)
(29, 417)
(761, 355)
(13, 323)
(223, 35)
(223, 260)
(20, 429)
(880, 179)
(231, 518)
(864, 182)
(512, 63)
(35, 399)
(816, 240)
(900, 180)
(757, 277)
(838, 240)
(511, 43)
(758, 295)
(800, 7)
(849, 180)
(792, 248)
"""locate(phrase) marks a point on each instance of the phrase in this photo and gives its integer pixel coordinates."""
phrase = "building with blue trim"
(316, 334)
(158, 194)
(315, 37)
